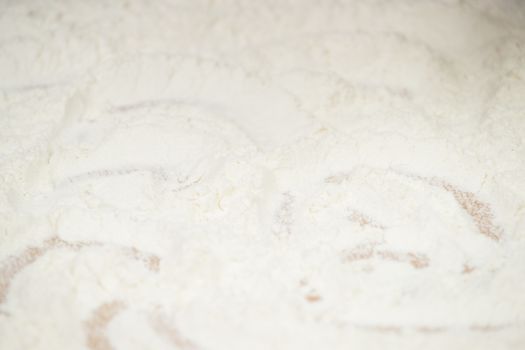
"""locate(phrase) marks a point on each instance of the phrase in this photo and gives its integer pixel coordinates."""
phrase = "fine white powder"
(262, 174)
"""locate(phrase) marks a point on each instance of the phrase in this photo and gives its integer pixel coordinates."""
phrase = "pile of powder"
(239, 174)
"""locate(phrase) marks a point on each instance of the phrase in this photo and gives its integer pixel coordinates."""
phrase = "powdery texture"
(262, 174)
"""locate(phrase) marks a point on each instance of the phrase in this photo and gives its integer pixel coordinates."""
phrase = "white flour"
(262, 175)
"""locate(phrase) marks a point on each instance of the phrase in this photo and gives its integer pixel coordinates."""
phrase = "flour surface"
(243, 174)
